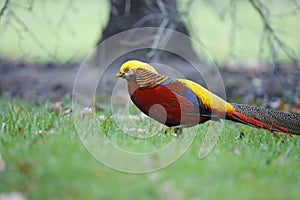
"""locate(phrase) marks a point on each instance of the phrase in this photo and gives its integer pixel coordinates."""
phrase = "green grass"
(45, 160)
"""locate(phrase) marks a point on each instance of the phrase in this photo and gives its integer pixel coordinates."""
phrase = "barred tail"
(272, 120)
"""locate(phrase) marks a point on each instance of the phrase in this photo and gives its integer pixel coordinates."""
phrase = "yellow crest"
(134, 64)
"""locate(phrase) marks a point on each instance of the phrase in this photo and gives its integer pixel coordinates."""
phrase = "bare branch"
(28, 6)
(127, 7)
(162, 8)
(21, 23)
(233, 17)
(261, 42)
(160, 32)
(146, 18)
(187, 7)
(64, 14)
(46, 17)
(264, 14)
(158, 37)
(4, 7)
(272, 48)
(297, 4)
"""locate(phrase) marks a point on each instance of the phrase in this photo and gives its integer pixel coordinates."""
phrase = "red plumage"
(174, 109)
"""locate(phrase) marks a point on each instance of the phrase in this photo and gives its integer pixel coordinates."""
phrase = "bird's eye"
(127, 70)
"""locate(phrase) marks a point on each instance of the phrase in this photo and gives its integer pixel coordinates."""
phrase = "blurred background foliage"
(230, 30)
(43, 31)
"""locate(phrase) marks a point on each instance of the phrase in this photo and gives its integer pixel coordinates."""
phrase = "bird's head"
(127, 70)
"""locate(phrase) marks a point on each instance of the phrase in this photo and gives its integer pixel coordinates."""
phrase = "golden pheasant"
(182, 103)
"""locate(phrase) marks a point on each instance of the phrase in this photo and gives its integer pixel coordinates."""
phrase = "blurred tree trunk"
(130, 14)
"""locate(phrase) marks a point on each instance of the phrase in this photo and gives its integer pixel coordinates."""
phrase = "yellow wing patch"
(207, 98)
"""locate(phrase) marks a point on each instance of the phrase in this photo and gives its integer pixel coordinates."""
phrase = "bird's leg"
(177, 131)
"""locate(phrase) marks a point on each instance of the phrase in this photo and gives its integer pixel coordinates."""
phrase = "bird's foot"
(177, 131)
(240, 136)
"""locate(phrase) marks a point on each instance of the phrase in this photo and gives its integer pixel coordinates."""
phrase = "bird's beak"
(118, 75)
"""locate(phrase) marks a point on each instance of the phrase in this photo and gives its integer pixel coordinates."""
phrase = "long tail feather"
(272, 120)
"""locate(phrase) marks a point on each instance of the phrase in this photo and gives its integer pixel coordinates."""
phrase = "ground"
(244, 83)
(42, 157)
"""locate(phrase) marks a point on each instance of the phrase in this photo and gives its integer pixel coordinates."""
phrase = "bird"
(180, 103)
